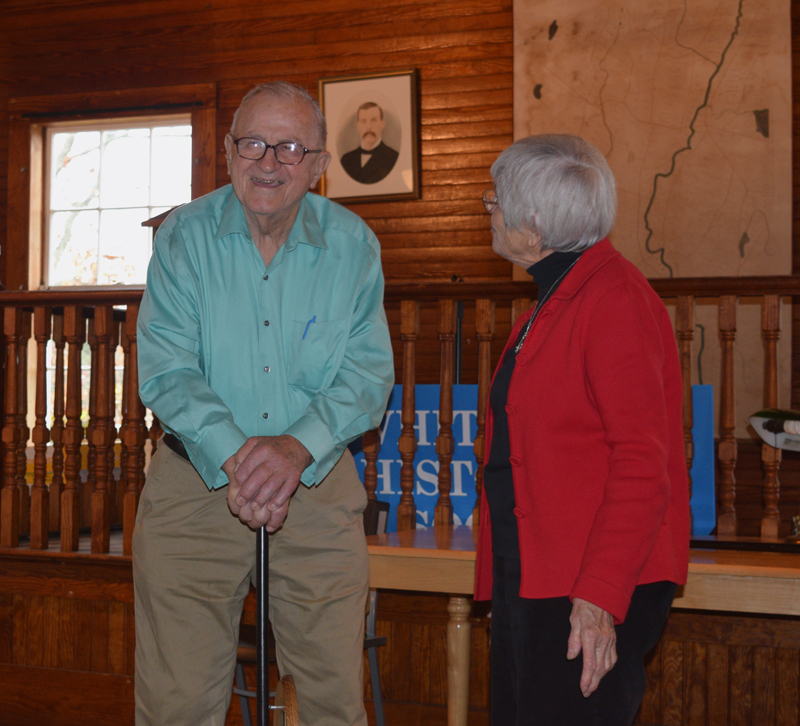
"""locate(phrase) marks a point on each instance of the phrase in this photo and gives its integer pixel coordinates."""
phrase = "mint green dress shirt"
(229, 348)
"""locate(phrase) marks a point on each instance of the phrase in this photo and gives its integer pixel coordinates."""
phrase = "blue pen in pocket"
(308, 325)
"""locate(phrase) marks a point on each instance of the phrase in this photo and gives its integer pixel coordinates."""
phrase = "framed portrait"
(372, 137)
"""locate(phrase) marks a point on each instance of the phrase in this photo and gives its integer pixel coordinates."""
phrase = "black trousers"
(533, 683)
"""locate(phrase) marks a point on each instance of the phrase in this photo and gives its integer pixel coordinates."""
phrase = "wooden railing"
(81, 490)
(88, 467)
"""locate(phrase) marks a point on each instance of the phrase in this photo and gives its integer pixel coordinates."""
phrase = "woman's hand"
(593, 633)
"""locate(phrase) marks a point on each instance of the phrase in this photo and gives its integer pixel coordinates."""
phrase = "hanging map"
(690, 101)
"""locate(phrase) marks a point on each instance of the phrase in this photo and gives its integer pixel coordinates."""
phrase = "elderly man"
(373, 159)
(263, 350)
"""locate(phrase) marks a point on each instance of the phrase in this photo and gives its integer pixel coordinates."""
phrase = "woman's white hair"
(288, 92)
(558, 186)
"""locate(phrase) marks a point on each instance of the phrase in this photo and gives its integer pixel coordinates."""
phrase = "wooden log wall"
(462, 50)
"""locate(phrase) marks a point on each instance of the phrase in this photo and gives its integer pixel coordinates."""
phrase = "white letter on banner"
(385, 474)
(466, 438)
(422, 519)
(458, 484)
(427, 476)
(385, 426)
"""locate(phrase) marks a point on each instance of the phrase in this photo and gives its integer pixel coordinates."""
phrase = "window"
(159, 113)
(24, 263)
(103, 180)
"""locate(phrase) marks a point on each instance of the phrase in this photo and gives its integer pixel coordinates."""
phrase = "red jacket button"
(514, 461)
(522, 359)
(518, 513)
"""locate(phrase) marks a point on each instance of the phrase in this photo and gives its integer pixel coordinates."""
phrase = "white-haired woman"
(584, 530)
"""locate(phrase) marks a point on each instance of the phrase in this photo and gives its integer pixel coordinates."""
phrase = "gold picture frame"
(363, 110)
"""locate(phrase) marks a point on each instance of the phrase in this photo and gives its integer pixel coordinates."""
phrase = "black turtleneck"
(548, 274)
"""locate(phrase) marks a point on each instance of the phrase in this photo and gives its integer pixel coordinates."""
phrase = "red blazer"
(597, 451)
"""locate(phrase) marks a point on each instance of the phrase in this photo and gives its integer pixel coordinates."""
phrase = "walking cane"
(286, 713)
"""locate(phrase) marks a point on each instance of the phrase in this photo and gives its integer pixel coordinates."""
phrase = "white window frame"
(21, 255)
(100, 125)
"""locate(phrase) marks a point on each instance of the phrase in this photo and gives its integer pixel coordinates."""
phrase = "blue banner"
(704, 515)
(426, 465)
(463, 466)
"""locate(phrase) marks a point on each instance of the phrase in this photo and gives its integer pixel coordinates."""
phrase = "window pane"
(127, 175)
(126, 168)
(171, 181)
(125, 246)
(73, 248)
(75, 166)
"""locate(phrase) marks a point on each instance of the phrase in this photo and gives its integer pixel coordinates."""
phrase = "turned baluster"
(484, 328)
(115, 493)
(684, 325)
(10, 495)
(40, 497)
(153, 435)
(770, 456)
(443, 512)
(133, 430)
(407, 445)
(102, 436)
(727, 449)
(87, 489)
(371, 446)
(519, 306)
(22, 425)
(57, 429)
(75, 332)
(124, 482)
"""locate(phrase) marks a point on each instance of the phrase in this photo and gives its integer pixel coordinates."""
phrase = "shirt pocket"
(314, 353)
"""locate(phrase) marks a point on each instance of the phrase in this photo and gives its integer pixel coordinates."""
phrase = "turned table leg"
(458, 642)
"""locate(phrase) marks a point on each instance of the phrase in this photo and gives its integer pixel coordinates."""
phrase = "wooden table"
(443, 560)
(434, 560)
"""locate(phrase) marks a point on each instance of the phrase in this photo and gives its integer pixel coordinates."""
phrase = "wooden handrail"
(702, 287)
(666, 287)
(89, 297)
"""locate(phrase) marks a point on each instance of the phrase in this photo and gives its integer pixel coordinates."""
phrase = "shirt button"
(266, 322)
(266, 277)
(266, 415)
(266, 369)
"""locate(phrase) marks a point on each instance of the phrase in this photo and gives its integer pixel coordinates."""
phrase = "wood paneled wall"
(734, 671)
(461, 48)
(66, 654)
(66, 640)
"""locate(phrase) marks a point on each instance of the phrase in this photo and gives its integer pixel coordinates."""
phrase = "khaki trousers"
(193, 563)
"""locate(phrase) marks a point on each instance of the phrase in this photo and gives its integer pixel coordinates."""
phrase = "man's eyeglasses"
(288, 152)
(490, 200)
